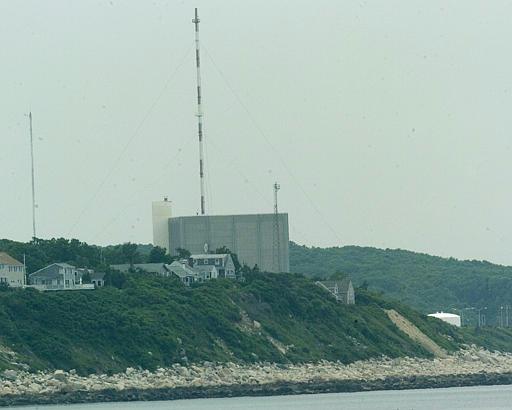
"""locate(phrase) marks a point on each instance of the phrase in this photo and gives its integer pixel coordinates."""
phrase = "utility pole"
(33, 182)
(24, 270)
(277, 241)
(481, 317)
(199, 115)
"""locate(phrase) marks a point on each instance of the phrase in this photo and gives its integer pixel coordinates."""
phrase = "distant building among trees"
(342, 290)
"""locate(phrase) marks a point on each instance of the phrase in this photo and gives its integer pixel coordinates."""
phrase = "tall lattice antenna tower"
(199, 115)
(277, 242)
(33, 182)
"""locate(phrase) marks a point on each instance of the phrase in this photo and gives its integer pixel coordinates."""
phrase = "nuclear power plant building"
(257, 239)
(251, 237)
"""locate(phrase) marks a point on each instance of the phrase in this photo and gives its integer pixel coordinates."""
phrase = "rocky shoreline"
(465, 368)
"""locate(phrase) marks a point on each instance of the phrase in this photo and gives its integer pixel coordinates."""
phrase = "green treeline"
(42, 252)
(427, 283)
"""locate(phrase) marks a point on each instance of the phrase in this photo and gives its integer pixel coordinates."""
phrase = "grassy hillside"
(428, 283)
(152, 321)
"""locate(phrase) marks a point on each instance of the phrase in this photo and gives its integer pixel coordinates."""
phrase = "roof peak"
(7, 259)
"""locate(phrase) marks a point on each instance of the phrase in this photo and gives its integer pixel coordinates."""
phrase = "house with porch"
(58, 276)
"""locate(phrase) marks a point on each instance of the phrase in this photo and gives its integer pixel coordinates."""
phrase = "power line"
(231, 162)
(130, 140)
(152, 183)
(262, 133)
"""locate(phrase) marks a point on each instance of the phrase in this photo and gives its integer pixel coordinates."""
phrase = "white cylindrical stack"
(161, 215)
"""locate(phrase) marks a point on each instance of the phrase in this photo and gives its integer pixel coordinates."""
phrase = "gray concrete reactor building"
(252, 237)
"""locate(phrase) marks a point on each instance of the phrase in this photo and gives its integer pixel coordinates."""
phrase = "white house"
(12, 272)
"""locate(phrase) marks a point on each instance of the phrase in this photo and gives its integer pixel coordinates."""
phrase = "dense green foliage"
(42, 252)
(152, 321)
(425, 282)
(149, 321)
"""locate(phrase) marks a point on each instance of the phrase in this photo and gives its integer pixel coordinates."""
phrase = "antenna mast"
(33, 183)
(277, 242)
(199, 114)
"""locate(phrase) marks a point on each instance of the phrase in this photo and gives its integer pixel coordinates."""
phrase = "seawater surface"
(467, 398)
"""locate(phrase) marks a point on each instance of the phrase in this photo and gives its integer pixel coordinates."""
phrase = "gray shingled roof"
(45, 273)
(181, 270)
(344, 284)
(97, 275)
(63, 265)
(210, 256)
(158, 267)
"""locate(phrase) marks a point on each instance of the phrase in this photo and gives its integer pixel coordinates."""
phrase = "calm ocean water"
(467, 398)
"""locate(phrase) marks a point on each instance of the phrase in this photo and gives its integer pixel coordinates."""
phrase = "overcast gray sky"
(387, 123)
